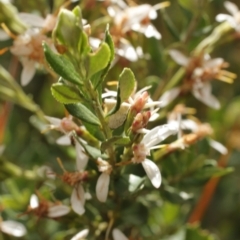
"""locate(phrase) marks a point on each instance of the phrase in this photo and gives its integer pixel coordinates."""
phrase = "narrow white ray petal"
(34, 203)
(78, 199)
(118, 235)
(54, 121)
(27, 72)
(223, 17)
(102, 187)
(152, 172)
(58, 211)
(13, 228)
(204, 95)
(169, 96)
(82, 157)
(64, 140)
(218, 146)
(81, 235)
(231, 7)
(178, 57)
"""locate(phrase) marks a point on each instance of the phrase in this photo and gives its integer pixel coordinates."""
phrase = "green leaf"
(61, 65)
(194, 232)
(83, 113)
(65, 94)
(98, 60)
(126, 86)
(117, 140)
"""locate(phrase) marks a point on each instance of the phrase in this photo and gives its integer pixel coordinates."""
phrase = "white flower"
(234, 18)
(81, 235)
(13, 228)
(118, 235)
(149, 141)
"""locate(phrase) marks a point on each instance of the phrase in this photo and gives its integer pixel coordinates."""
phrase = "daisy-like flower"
(28, 46)
(200, 70)
(45, 208)
(103, 180)
(150, 141)
(118, 234)
(13, 228)
(81, 235)
(234, 18)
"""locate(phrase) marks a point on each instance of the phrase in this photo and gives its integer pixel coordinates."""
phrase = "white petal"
(27, 72)
(224, 17)
(58, 211)
(13, 228)
(81, 235)
(218, 146)
(34, 203)
(231, 7)
(78, 199)
(54, 121)
(178, 57)
(152, 172)
(102, 187)
(118, 235)
(204, 95)
(82, 157)
(64, 140)
(169, 96)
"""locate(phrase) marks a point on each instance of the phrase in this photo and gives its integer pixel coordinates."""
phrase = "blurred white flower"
(234, 18)
(13, 228)
(137, 18)
(200, 70)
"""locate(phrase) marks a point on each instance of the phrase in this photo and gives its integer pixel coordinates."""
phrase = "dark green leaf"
(61, 65)
(83, 113)
(65, 94)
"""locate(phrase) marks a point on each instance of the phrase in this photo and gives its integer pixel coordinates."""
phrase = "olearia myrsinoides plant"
(82, 72)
